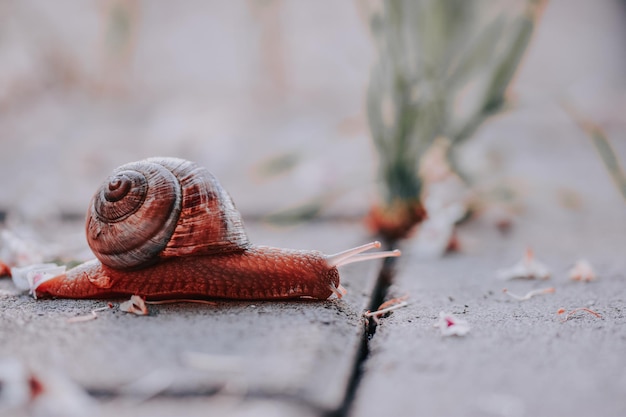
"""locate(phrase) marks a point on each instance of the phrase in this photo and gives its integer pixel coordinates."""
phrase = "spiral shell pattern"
(159, 208)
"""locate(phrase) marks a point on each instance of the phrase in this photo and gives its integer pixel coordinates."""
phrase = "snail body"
(164, 228)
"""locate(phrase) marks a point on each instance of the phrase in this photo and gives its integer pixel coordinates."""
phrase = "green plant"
(443, 67)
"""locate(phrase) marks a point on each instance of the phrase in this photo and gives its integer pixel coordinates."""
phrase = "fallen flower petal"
(30, 277)
(136, 305)
(527, 268)
(530, 294)
(582, 271)
(393, 301)
(576, 310)
(450, 325)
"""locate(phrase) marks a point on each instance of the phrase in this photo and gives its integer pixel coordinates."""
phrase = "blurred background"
(271, 96)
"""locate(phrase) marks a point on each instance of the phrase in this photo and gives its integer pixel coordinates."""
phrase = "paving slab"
(296, 357)
(519, 358)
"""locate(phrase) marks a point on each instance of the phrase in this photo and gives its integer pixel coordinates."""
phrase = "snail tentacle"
(356, 255)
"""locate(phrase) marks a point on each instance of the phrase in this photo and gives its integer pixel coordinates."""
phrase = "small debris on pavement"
(571, 313)
(529, 294)
(582, 271)
(393, 301)
(387, 307)
(91, 316)
(136, 305)
(527, 268)
(450, 325)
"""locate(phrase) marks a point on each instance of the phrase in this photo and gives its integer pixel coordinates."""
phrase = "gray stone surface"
(224, 405)
(519, 359)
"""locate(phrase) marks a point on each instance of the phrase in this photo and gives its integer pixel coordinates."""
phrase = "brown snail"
(164, 228)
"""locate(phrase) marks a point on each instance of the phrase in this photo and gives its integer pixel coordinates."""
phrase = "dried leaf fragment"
(386, 307)
(136, 305)
(451, 325)
(393, 301)
(582, 271)
(571, 313)
(527, 268)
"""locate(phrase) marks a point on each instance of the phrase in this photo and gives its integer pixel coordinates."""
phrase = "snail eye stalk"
(356, 255)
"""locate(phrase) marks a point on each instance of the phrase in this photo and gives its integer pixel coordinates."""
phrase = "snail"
(164, 228)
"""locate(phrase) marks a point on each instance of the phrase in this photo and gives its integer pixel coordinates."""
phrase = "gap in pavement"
(385, 278)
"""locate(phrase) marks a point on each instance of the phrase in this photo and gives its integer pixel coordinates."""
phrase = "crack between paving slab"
(383, 282)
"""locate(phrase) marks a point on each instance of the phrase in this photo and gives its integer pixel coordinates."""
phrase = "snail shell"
(161, 208)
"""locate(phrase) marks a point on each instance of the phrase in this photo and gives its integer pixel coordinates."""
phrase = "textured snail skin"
(256, 273)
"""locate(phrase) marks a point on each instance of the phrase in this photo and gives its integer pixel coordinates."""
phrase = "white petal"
(450, 325)
(30, 277)
(527, 268)
(136, 305)
(582, 271)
